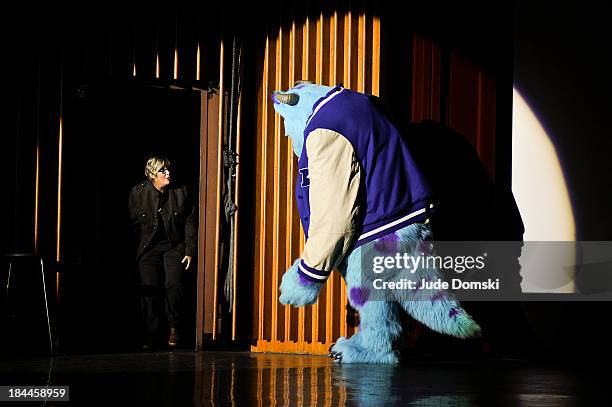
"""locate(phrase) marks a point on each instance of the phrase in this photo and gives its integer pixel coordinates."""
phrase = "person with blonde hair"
(163, 218)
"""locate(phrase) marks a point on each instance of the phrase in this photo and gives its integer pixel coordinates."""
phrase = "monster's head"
(295, 106)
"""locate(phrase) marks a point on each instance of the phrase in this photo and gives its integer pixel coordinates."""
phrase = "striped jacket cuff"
(312, 274)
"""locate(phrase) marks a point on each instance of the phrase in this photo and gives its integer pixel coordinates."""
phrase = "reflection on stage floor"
(249, 379)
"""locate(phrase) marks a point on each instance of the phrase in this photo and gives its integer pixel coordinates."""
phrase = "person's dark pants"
(160, 266)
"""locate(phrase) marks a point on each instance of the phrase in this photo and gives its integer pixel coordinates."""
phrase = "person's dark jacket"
(177, 212)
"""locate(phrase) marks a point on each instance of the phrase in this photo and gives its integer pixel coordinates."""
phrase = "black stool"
(18, 285)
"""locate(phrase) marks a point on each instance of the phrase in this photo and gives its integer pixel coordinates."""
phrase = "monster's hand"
(297, 290)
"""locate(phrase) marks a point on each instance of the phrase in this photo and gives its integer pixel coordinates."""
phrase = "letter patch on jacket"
(305, 180)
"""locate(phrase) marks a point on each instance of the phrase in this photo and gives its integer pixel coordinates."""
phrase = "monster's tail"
(437, 309)
(443, 314)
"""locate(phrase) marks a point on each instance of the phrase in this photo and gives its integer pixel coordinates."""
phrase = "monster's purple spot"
(453, 313)
(303, 280)
(438, 296)
(359, 295)
(387, 243)
(276, 102)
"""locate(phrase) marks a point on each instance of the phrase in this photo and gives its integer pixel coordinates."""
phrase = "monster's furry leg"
(377, 337)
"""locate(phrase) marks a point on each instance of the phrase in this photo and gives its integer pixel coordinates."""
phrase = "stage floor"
(248, 379)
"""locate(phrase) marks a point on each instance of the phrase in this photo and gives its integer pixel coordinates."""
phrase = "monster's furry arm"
(335, 176)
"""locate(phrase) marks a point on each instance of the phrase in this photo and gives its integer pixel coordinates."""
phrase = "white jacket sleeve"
(335, 176)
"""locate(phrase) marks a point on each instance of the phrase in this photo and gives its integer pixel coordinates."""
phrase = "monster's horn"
(303, 83)
(290, 99)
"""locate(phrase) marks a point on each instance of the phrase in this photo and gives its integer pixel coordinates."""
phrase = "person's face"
(162, 179)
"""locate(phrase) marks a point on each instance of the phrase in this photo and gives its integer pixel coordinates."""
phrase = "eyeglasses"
(164, 170)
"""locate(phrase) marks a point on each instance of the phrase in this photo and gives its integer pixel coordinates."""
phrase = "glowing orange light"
(36, 199)
(175, 64)
(157, 65)
(198, 63)
(59, 188)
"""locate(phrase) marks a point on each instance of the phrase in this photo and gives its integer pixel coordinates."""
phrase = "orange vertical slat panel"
(322, 50)
(202, 307)
(319, 50)
(302, 313)
(333, 47)
(209, 206)
(289, 190)
(275, 198)
(262, 189)
(329, 289)
(347, 83)
(257, 294)
(348, 47)
(294, 227)
(361, 53)
(281, 188)
(236, 215)
(318, 79)
(376, 56)
(278, 246)
(270, 305)
(219, 180)
(350, 79)
(335, 313)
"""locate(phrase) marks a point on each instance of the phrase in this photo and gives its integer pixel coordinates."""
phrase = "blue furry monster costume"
(359, 193)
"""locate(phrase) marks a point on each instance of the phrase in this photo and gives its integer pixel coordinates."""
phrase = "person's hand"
(188, 260)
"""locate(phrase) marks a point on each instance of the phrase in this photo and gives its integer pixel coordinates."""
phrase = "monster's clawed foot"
(348, 351)
(337, 356)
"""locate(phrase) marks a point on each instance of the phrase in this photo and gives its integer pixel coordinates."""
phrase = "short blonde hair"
(154, 164)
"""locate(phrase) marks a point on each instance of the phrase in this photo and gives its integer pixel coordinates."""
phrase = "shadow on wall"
(472, 208)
